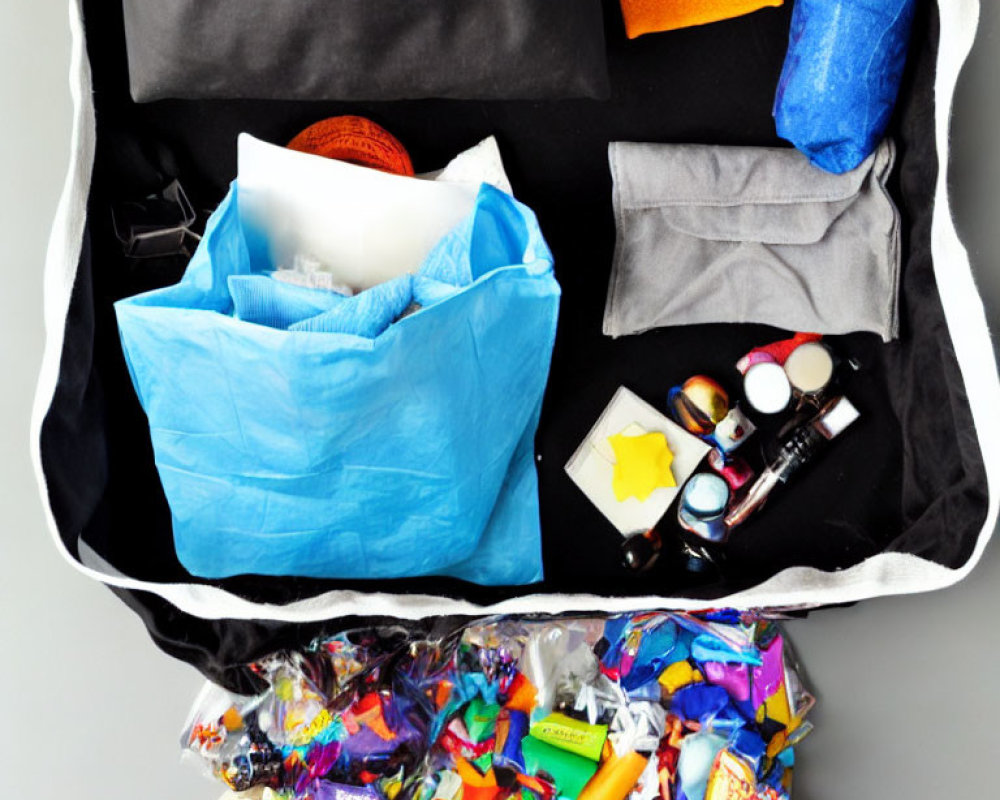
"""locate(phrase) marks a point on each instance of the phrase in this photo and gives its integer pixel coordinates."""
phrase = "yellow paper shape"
(642, 465)
(678, 675)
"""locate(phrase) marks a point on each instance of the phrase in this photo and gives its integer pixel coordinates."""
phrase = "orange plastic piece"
(532, 784)
(443, 693)
(523, 695)
(650, 16)
(357, 140)
(368, 711)
(475, 785)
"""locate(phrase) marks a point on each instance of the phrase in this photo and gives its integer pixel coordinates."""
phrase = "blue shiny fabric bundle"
(841, 77)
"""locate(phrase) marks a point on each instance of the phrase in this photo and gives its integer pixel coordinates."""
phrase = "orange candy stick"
(616, 778)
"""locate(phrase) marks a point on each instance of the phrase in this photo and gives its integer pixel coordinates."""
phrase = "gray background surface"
(908, 686)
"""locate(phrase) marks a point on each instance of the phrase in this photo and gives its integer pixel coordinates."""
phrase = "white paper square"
(592, 465)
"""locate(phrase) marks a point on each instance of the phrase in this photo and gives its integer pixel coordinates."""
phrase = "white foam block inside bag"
(481, 163)
(364, 226)
(592, 465)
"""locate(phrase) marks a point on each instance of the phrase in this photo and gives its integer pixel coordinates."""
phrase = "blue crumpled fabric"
(367, 313)
(660, 643)
(709, 705)
(656, 653)
(841, 77)
(265, 301)
(333, 454)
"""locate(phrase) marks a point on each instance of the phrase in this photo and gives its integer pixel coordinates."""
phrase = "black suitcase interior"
(910, 478)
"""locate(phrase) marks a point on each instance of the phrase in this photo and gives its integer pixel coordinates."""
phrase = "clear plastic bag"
(635, 706)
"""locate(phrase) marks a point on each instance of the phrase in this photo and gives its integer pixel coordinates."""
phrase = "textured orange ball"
(356, 140)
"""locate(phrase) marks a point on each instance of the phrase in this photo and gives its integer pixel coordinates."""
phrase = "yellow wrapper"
(571, 735)
(731, 779)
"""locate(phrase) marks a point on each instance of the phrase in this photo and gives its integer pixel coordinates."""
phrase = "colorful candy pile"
(675, 706)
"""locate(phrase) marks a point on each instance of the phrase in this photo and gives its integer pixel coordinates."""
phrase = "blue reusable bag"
(294, 450)
(841, 77)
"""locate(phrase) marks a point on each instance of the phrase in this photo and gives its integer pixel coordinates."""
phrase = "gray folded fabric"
(365, 50)
(745, 234)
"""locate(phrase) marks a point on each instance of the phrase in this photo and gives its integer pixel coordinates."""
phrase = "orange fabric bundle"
(649, 16)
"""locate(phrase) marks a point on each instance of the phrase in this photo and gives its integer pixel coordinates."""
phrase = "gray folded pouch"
(365, 50)
(750, 234)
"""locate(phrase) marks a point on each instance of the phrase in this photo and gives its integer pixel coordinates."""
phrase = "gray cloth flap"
(365, 49)
(746, 234)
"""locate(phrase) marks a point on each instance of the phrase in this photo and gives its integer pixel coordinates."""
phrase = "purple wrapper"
(768, 677)
(325, 790)
(366, 743)
(734, 678)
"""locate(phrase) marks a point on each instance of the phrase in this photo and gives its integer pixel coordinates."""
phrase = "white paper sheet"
(592, 466)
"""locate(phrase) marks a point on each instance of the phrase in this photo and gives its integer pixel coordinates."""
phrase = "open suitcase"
(912, 501)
